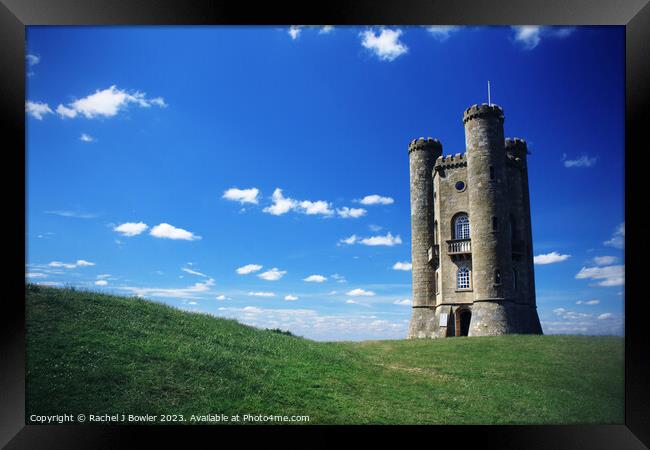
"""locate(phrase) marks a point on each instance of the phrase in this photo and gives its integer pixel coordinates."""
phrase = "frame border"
(15, 15)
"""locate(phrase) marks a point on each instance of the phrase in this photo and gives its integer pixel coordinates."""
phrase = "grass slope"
(94, 353)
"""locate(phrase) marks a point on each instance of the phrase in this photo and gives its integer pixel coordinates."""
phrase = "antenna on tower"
(489, 99)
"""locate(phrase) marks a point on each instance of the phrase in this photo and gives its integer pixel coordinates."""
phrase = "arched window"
(435, 232)
(461, 227)
(497, 276)
(462, 278)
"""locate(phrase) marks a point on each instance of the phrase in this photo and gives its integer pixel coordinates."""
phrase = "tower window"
(460, 185)
(491, 172)
(461, 227)
(497, 276)
(462, 278)
(495, 223)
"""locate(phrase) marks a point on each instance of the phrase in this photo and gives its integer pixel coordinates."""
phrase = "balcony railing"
(459, 246)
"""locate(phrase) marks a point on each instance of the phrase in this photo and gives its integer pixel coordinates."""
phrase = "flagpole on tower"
(489, 99)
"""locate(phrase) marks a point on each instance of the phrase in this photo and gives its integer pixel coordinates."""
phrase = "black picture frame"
(15, 15)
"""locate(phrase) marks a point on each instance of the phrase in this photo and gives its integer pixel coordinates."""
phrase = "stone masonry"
(471, 242)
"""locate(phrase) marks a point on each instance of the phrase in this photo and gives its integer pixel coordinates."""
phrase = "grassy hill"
(94, 354)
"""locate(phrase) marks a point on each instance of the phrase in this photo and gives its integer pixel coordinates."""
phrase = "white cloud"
(242, 195)
(315, 279)
(606, 316)
(107, 103)
(570, 315)
(248, 268)
(61, 264)
(351, 302)
(348, 213)
(582, 161)
(221, 297)
(550, 258)
(442, 32)
(83, 262)
(610, 275)
(404, 302)
(79, 263)
(403, 266)
(188, 292)
(385, 45)
(618, 238)
(101, 283)
(317, 207)
(261, 294)
(388, 240)
(66, 112)
(376, 200)
(75, 214)
(325, 29)
(167, 231)
(604, 260)
(37, 109)
(272, 275)
(102, 276)
(131, 228)
(281, 205)
(374, 228)
(314, 325)
(349, 240)
(587, 302)
(194, 272)
(252, 310)
(360, 292)
(86, 138)
(294, 31)
(339, 278)
(529, 36)
(35, 275)
(32, 60)
(290, 298)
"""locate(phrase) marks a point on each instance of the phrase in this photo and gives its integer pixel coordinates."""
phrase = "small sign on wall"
(443, 319)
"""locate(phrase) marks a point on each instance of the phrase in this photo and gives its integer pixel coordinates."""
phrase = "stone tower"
(471, 233)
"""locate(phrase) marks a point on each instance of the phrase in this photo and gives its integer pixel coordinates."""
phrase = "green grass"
(95, 354)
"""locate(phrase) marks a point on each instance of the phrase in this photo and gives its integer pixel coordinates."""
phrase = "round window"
(460, 185)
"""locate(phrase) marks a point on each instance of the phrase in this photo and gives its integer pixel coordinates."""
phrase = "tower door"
(464, 318)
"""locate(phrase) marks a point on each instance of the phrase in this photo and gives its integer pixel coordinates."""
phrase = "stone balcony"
(459, 247)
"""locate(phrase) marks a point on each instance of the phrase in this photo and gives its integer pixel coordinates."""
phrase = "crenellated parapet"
(516, 147)
(482, 111)
(425, 144)
(448, 162)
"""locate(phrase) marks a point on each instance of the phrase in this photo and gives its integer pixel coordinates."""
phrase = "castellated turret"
(471, 244)
(422, 157)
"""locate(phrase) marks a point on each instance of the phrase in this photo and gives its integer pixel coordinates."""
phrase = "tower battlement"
(471, 245)
(483, 110)
(451, 161)
(425, 144)
(517, 147)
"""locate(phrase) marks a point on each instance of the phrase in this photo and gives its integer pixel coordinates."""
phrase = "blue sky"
(160, 160)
